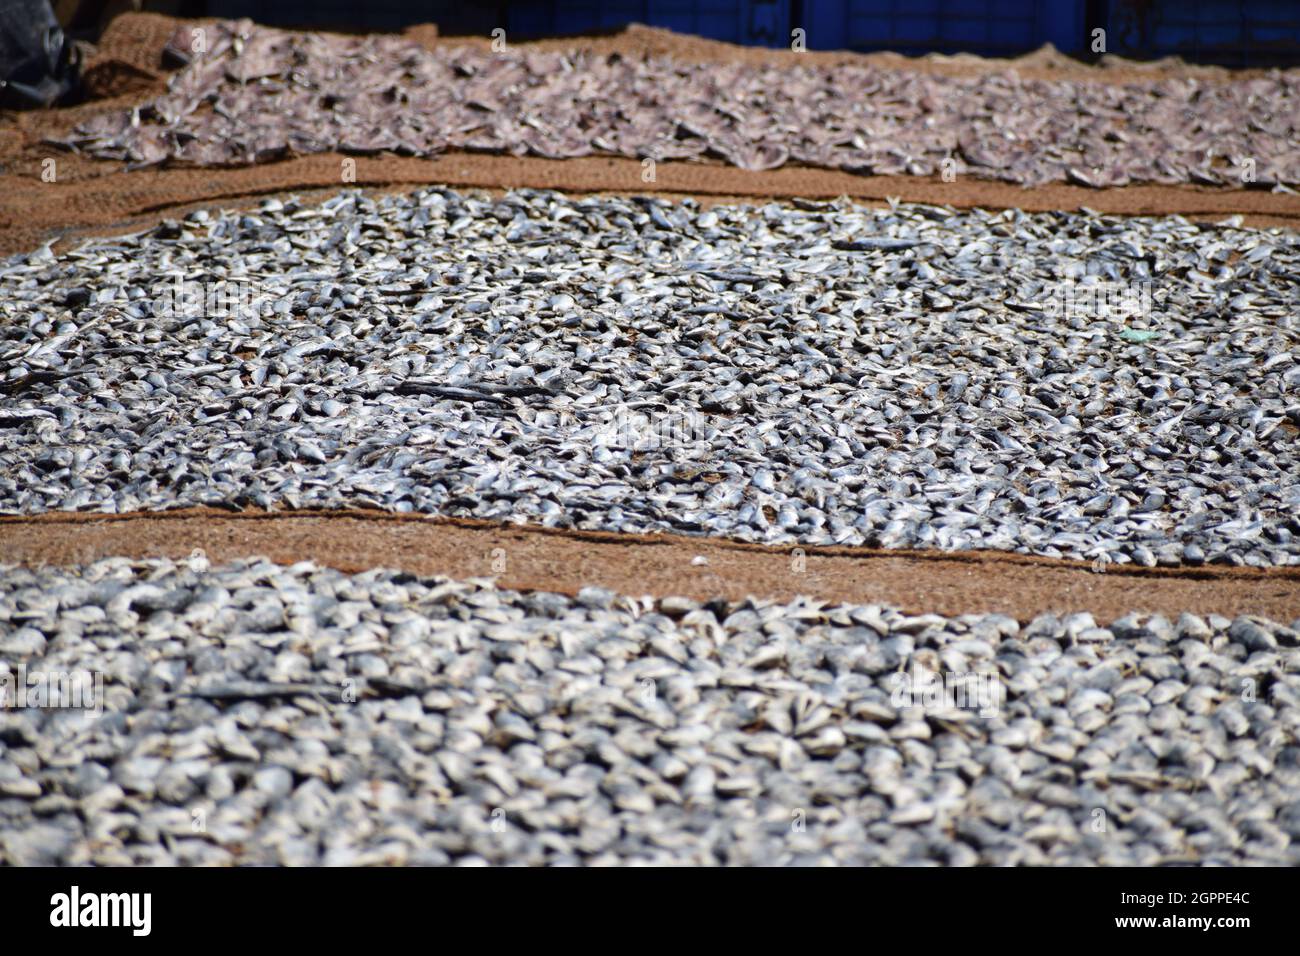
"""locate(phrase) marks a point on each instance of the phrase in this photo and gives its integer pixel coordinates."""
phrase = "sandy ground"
(530, 558)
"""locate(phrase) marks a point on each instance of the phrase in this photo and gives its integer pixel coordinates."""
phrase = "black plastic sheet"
(37, 62)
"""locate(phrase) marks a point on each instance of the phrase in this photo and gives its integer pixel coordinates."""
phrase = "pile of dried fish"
(256, 714)
(255, 94)
(907, 377)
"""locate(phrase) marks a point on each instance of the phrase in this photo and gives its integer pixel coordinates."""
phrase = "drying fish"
(258, 94)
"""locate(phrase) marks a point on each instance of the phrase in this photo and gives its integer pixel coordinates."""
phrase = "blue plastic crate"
(994, 27)
(1237, 32)
(1232, 32)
